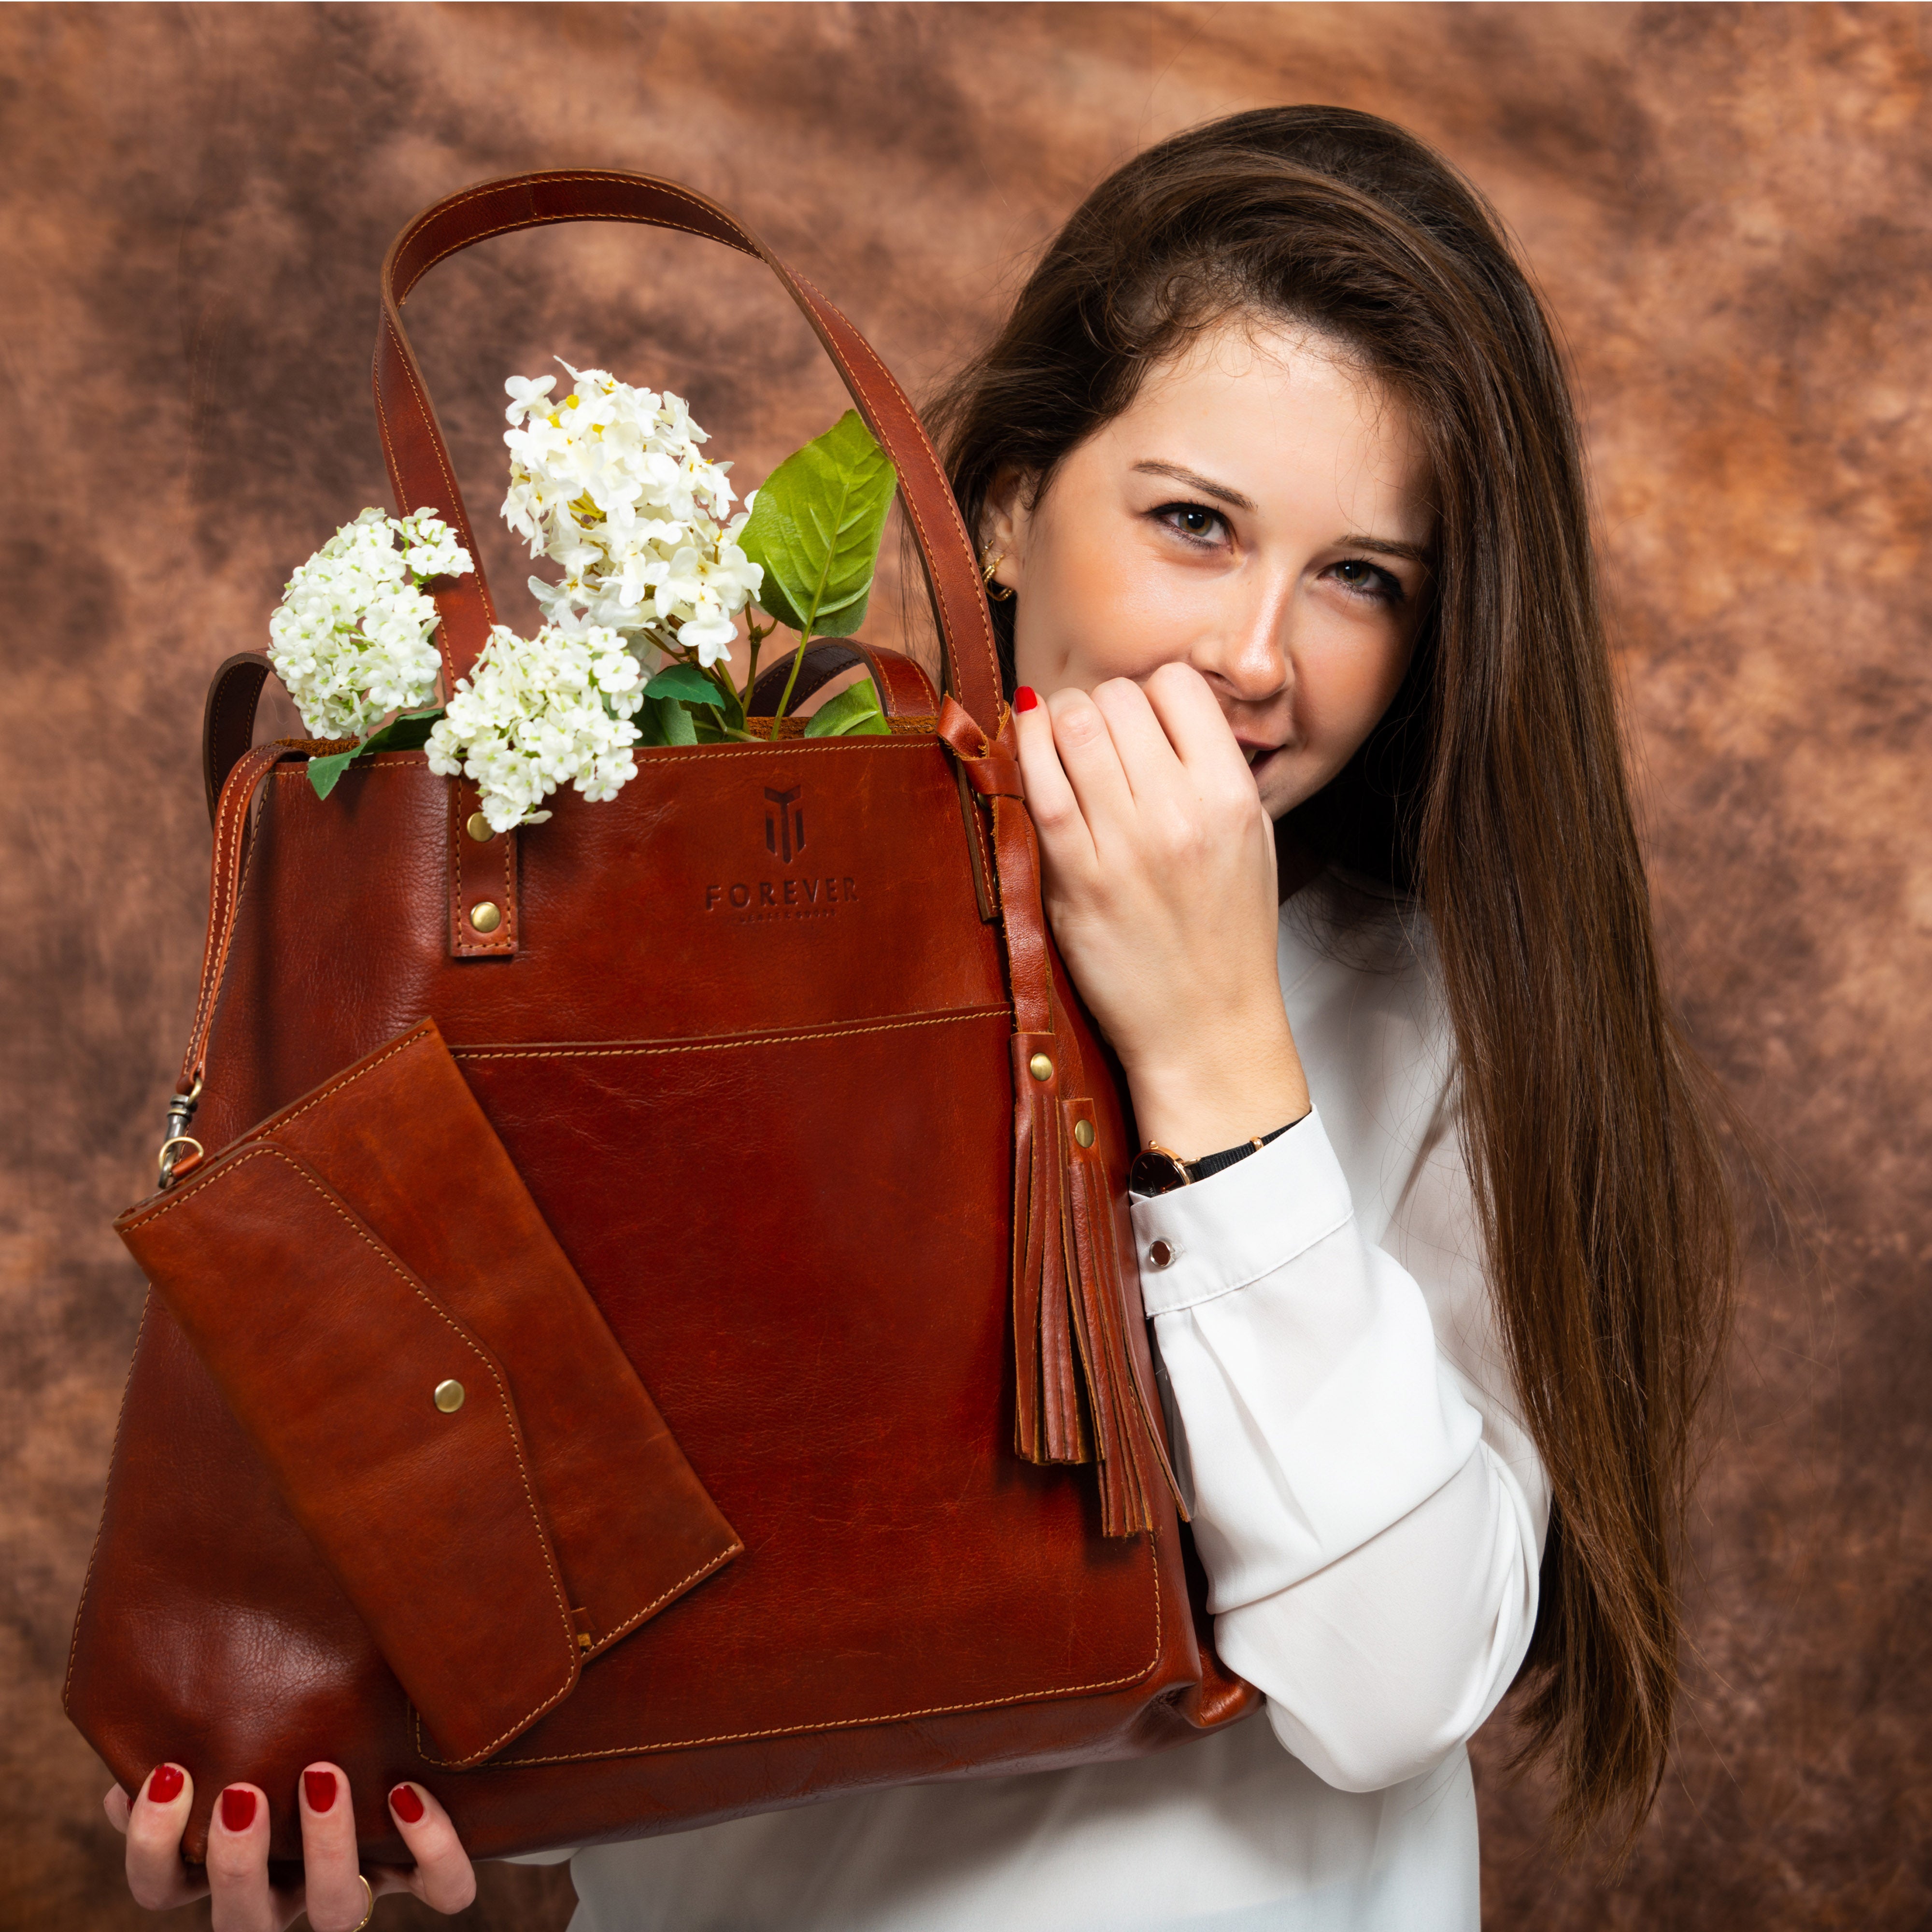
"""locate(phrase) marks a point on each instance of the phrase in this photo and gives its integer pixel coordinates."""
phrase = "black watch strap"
(1156, 1171)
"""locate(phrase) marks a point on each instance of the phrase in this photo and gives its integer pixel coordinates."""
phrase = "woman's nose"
(1249, 655)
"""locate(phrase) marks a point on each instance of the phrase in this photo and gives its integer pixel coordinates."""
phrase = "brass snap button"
(1040, 1067)
(1160, 1255)
(479, 828)
(486, 915)
(1083, 1132)
(448, 1397)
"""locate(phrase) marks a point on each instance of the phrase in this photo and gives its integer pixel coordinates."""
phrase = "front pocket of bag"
(807, 1238)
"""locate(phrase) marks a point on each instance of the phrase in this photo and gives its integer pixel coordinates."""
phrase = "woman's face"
(1261, 512)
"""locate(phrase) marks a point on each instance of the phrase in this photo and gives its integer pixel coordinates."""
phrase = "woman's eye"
(1367, 580)
(1192, 520)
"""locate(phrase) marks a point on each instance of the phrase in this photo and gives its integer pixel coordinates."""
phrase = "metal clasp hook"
(180, 1111)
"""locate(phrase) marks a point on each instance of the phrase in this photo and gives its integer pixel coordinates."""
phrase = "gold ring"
(369, 1892)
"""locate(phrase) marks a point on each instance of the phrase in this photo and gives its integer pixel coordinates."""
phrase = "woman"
(1283, 513)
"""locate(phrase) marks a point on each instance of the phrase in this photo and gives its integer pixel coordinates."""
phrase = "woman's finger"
(238, 1862)
(1193, 722)
(1092, 763)
(331, 1882)
(444, 1879)
(1148, 762)
(1063, 835)
(154, 1821)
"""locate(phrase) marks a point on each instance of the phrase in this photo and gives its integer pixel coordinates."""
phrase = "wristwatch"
(1159, 1170)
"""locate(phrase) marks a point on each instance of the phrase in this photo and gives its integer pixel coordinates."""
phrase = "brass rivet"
(479, 828)
(583, 1639)
(486, 915)
(447, 1397)
(1040, 1067)
(1083, 1132)
(1159, 1254)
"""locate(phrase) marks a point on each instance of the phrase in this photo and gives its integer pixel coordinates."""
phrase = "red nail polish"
(164, 1784)
(319, 1788)
(238, 1808)
(1025, 698)
(406, 1804)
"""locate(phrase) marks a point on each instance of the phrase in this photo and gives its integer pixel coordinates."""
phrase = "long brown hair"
(1494, 789)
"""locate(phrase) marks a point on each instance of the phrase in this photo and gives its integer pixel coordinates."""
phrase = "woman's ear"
(1004, 523)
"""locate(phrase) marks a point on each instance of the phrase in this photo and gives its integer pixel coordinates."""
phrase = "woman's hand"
(1160, 879)
(236, 1875)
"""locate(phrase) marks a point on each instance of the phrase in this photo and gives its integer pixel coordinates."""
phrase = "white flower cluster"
(537, 712)
(351, 638)
(609, 483)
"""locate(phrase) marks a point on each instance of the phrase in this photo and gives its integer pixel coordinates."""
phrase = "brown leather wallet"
(444, 1409)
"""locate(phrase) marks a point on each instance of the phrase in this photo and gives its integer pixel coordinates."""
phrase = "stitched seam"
(464, 946)
(850, 1723)
(459, 514)
(986, 861)
(683, 1583)
(551, 220)
(663, 1597)
(270, 1152)
(417, 1036)
(510, 910)
(213, 968)
(226, 834)
(565, 1052)
(1260, 1273)
(866, 741)
(435, 441)
(223, 831)
(100, 1527)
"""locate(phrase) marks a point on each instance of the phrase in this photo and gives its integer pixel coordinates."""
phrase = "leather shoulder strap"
(423, 477)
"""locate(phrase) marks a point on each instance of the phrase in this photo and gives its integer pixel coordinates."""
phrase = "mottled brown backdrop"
(1727, 207)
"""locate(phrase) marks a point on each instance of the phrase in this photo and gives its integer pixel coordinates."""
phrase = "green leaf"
(407, 731)
(664, 720)
(686, 682)
(853, 713)
(323, 772)
(815, 527)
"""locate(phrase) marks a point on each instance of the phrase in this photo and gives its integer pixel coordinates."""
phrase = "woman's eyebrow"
(1219, 492)
(1386, 547)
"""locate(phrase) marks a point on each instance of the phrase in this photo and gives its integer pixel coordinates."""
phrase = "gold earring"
(999, 592)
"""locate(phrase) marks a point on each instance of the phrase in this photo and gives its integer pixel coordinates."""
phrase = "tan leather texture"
(753, 1058)
(333, 1269)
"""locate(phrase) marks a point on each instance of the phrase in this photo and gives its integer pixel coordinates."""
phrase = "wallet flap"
(390, 1430)
(401, 1138)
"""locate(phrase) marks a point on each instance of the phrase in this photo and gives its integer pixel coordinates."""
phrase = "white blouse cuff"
(1220, 1234)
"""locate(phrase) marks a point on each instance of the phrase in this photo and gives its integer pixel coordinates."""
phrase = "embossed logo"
(796, 899)
(784, 823)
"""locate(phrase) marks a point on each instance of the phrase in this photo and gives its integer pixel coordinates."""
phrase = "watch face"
(1155, 1171)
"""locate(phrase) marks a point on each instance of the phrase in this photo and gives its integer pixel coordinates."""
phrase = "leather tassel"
(1048, 1424)
(1126, 1508)
(1077, 1398)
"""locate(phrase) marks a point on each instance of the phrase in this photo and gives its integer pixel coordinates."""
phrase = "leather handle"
(904, 696)
(228, 720)
(423, 477)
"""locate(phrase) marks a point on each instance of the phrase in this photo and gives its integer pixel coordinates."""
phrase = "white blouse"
(1369, 1511)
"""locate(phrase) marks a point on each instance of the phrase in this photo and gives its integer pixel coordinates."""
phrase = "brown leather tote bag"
(778, 1044)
